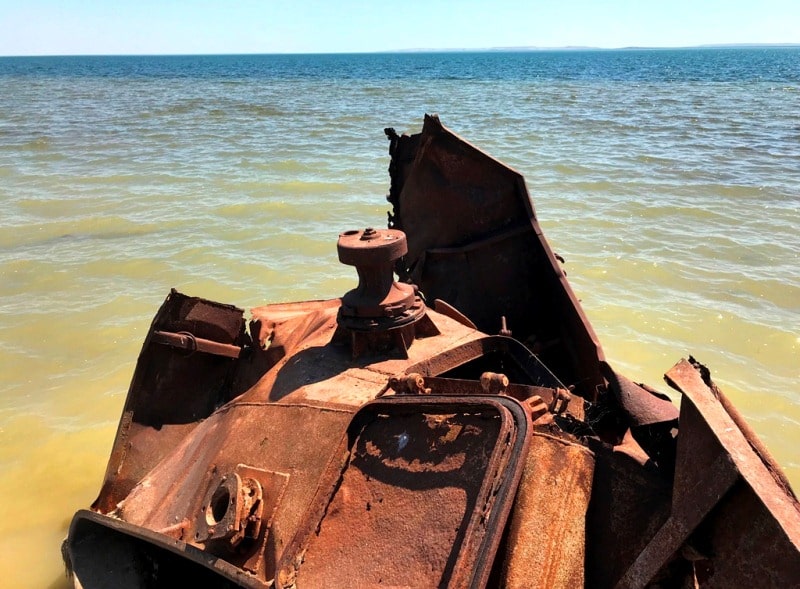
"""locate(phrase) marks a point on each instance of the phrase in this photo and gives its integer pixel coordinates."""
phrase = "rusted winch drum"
(378, 302)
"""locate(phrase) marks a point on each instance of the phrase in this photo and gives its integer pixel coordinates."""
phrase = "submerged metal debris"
(459, 427)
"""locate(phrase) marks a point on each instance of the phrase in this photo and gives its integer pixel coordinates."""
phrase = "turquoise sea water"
(668, 179)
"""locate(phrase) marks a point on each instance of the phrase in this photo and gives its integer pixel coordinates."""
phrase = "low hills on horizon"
(592, 48)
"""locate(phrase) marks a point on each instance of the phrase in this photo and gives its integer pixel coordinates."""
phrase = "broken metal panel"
(752, 439)
(751, 533)
(546, 542)
(716, 468)
(629, 503)
(173, 388)
(412, 466)
(500, 280)
(753, 462)
(437, 167)
(474, 242)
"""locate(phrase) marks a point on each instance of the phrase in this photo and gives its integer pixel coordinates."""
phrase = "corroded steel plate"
(419, 497)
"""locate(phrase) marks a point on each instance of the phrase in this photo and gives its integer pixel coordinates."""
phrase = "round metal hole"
(218, 506)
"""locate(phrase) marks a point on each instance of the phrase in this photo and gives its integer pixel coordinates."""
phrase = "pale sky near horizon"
(87, 27)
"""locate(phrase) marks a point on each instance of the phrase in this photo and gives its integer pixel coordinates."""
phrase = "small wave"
(62, 232)
(42, 143)
(260, 110)
(308, 187)
(182, 107)
(238, 110)
(286, 166)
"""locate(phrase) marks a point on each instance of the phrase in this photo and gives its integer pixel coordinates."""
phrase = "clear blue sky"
(70, 27)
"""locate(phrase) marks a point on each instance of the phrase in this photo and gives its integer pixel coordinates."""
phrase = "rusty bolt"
(561, 400)
(504, 330)
(409, 384)
(494, 383)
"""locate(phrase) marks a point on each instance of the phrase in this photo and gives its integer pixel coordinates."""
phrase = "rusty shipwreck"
(456, 427)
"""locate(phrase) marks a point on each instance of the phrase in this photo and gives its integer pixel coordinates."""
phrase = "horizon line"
(512, 49)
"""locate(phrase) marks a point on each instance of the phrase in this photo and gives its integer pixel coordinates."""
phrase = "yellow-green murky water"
(669, 181)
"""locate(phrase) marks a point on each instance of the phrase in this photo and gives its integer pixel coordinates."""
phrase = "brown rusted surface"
(717, 467)
(474, 242)
(246, 451)
(171, 390)
(651, 416)
(629, 504)
(288, 422)
(751, 537)
(377, 299)
(758, 446)
(520, 364)
(546, 544)
(379, 315)
(445, 308)
(412, 466)
(642, 406)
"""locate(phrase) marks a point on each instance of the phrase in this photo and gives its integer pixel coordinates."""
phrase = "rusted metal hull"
(463, 432)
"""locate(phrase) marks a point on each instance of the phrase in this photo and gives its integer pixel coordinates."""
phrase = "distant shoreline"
(521, 49)
(590, 48)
